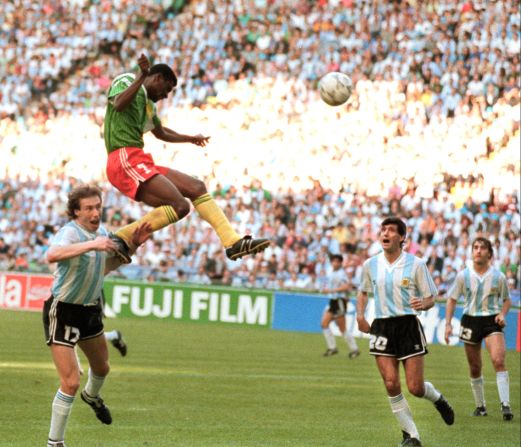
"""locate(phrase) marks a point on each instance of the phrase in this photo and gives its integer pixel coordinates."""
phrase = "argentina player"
(402, 287)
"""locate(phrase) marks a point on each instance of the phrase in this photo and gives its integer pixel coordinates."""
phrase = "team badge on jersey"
(406, 282)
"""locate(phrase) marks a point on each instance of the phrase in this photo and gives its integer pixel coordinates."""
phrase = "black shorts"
(474, 329)
(338, 307)
(66, 324)
(400, 337)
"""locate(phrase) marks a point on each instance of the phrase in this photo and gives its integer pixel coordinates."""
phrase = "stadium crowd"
(431, 132)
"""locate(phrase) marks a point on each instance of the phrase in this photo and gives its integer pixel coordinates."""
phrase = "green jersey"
(126, 128)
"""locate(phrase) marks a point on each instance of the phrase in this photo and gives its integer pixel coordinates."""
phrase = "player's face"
(159, 88)
(89, 214)
(480, 253)
(390, 239)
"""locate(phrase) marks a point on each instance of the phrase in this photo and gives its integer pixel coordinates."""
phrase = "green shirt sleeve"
(119, 85)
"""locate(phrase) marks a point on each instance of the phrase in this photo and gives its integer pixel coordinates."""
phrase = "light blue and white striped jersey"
(483, 295)
(79, 280)
(335, 279)
(393, 285)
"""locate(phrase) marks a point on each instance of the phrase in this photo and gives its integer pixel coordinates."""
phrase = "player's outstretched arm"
(171, 136)
(61, 253)
(122, 101)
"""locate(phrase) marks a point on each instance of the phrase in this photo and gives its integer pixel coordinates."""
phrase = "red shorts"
(128, 167)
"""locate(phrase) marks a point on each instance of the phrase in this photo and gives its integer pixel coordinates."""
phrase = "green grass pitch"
(209, 385)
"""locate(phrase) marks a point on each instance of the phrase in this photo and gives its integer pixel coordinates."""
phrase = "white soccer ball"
(335, 88)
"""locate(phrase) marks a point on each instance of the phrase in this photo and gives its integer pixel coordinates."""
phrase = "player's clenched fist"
(144, 64)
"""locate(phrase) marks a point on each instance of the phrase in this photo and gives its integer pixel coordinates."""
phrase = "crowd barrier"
(287, 311)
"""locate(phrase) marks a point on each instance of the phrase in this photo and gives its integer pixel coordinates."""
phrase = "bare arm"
(449, 313)
(170, 136)
(122, 101)
(361, 304)
(62, 253)
(500, 318)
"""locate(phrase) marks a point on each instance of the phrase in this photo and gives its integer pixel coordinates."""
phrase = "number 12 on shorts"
(72, 334)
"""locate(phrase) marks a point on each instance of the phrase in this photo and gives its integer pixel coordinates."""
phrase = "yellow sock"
(158, 218)
(209, 211)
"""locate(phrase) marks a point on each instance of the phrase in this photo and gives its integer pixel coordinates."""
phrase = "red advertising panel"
(22, 291)
(38, 290)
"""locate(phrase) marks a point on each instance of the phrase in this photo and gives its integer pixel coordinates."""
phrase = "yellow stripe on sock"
(202, 199)
(171, 214)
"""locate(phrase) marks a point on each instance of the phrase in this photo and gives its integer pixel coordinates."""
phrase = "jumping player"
(131, 112)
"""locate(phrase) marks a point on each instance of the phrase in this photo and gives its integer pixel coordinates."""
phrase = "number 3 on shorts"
(378, 342)
(465, 333)
(72, 334)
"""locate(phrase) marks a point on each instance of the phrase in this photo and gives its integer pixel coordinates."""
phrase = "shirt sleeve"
(119, 85)
(424, 281)
(66, 236)
(365, 284)
(456, 290)
(504, 293)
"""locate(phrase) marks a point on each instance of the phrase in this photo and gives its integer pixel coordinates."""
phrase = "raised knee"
(499, 364)
(70, 385)
(103, 370)
(182, 208)
(199, 188)
(417, 390)
(393, 389)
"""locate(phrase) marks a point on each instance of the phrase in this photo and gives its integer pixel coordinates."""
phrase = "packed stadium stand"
(431, 132)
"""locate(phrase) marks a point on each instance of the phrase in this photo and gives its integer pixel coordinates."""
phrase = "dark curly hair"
(78, 193)
(486, 243)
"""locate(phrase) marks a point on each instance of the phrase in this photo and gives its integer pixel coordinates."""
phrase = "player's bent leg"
(97, 353)
(495, 344)
(328, 334)
(66, 364)
(414, 367)
(473, 353)
(388, 368)
(207, 208)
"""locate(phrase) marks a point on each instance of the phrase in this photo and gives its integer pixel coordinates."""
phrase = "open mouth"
(385, 241)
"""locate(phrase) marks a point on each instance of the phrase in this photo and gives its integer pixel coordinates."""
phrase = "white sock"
(330, 338)
(402, 413)
(351, 342)
(94, 384)
(503, 384)
(112, 335)
(61, 408)
(478, 391)
(431, 393)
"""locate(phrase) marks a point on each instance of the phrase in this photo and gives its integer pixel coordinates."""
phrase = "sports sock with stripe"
(431, 393)
(158, 218)
(478, 391)
(208, 209)
(503, 387)
(61, 408)
(94, 384)
(330, 338)
(403, 415)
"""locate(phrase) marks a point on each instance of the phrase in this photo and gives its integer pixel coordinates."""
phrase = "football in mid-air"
(335, 88)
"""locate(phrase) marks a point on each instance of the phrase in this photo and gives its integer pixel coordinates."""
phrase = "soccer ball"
(335, 88)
